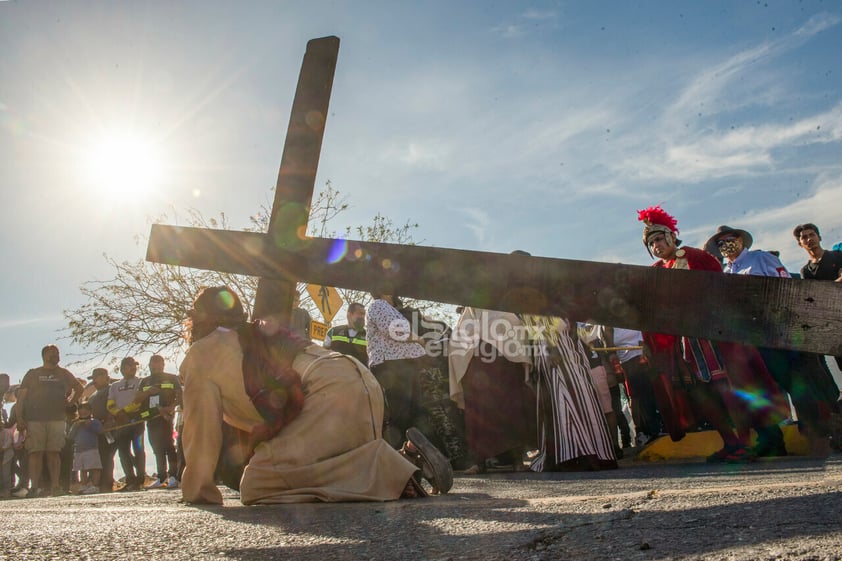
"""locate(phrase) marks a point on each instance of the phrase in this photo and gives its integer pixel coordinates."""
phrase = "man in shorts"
(44, 394)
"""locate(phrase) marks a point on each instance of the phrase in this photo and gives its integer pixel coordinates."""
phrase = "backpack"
(271, 383)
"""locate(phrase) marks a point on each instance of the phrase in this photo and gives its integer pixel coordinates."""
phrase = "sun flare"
(123, 167)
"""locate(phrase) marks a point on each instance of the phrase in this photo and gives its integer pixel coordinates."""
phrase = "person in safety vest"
(350, 339)
(158, 395)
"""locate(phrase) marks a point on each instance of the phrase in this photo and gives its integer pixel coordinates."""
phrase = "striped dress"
(573, 433)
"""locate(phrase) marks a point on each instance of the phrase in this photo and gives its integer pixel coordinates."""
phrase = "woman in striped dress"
(573, 434)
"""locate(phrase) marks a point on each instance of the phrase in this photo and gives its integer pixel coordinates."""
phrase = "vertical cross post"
(297, 174)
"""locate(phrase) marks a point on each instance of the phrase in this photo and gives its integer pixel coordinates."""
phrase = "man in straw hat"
(733, 245)
(759, 373)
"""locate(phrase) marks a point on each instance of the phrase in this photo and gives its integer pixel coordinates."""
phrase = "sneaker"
(157, 484)
(21, 493)
(172, 483)
(740, 455)
(719, 456)
(90, 490)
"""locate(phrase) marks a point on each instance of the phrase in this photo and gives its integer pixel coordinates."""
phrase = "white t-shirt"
(627, 338)
(123, 392)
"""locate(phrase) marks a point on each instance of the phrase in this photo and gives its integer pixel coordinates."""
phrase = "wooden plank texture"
(765, 311)
(299, 164)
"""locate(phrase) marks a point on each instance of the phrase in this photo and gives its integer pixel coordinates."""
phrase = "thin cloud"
(477, 223)
(527, 20)
(509, 31)
(686, 143)
(709, 85)
(18, 322)
(541, 15)
(817, 24)
(741, 152)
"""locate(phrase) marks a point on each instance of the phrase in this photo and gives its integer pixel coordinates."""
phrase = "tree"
(144, 305)
(142, 308)
(331, 203)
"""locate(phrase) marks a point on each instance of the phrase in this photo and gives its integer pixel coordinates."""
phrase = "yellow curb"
(705, 443)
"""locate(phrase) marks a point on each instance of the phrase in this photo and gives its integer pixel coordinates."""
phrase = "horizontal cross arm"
(763, 311)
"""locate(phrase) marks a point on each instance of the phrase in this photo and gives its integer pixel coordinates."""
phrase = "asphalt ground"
(783, 508)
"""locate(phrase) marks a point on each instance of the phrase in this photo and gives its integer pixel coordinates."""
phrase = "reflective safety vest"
(342, 342)
(169, 386)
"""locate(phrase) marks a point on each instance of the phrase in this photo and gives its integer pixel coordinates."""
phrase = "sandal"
(434, 467)
(414, 490)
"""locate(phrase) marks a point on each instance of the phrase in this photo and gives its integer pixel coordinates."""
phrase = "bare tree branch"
(143, 306)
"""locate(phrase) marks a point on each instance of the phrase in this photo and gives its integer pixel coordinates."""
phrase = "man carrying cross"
(331, 451)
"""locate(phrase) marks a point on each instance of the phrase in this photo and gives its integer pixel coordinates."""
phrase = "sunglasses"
(723, 241)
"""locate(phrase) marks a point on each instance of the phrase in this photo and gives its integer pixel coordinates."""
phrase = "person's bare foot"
(413, 490)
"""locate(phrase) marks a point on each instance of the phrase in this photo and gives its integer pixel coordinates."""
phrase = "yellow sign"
(327, 300)
(318, 330)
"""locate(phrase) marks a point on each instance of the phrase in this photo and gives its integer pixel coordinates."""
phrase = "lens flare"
(337, 252)
(226, 299)
(754, 399)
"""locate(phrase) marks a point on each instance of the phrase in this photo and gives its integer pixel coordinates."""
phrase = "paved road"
(789, 508)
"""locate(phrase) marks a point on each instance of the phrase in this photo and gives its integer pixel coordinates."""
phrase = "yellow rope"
(613, 349)
(133, 423)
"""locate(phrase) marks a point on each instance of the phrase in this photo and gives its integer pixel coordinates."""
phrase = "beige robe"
(333, 451)
(503, 330)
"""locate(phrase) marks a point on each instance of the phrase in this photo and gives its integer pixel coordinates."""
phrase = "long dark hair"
(215, 306)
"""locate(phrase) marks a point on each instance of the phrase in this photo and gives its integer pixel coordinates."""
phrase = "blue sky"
(541, 126)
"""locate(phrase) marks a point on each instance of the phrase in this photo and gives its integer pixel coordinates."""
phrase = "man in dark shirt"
(823, 264)
(158, 395)
(99, 410)
(44, 395)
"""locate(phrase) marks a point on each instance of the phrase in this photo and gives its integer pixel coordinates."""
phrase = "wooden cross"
(763, 311)
(297, 176)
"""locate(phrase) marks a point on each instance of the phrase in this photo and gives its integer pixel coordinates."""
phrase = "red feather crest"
(657, 215)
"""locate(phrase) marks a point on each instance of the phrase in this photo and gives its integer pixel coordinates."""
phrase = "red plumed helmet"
(656, 215)
(657, 220)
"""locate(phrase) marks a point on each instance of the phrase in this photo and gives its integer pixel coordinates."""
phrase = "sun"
(123, 166)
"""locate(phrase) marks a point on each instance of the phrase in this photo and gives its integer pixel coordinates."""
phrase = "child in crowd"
(86, 458)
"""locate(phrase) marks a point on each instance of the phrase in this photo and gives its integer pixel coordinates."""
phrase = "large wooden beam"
(299, 164)
(765, 311)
